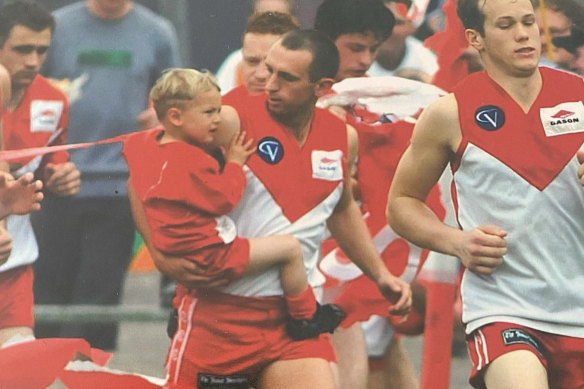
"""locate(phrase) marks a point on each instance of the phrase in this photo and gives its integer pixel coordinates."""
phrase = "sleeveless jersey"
(41, 118)
(291, 189)
(518, 170)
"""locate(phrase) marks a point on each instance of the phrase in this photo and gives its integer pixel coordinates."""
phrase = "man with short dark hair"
(358, 28)
(298, 147)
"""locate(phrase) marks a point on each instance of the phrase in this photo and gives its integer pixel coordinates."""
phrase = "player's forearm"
(415, 221)
(350, 231)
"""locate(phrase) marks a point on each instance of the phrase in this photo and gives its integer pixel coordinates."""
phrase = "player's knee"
(515, 369)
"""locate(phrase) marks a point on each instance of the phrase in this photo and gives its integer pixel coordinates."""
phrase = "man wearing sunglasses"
(37, 115)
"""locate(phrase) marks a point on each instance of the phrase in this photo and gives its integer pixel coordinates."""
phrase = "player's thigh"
(335, 369)
(400, 372)
(352, 357)
(376, 379)
(297, 374)
(517, 369)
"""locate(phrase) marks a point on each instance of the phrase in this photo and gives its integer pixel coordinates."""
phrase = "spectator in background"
(434, 20)
(574, 44)
(557, 20)
(282, 6)
(403, 54)
(230, 72)
(109, 53)
(36, 114)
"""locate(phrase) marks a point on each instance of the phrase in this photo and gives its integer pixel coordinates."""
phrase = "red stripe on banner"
(37, 363)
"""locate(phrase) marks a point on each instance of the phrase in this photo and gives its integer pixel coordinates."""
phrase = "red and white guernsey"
(41, 118)
(518, 170)
(291, 189)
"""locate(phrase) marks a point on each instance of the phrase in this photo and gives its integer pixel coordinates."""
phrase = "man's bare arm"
(347, 226)
(436, 138)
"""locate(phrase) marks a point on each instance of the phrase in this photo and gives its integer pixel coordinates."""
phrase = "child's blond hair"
(177, 87)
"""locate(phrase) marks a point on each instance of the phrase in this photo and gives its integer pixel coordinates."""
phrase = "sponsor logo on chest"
(45, 115)
(327, 165)
(562, 119)
(490, 117)
(270, 150)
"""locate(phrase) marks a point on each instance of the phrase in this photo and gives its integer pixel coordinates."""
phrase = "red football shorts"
(562, 356)
(230, 339)
(229, 259)
(17, 298)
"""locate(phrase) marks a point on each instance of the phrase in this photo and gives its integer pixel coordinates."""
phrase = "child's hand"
(239, 149)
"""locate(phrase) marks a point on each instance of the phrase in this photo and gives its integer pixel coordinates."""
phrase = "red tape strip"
(10, 155)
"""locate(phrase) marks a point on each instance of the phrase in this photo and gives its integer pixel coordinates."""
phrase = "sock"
(302, 306)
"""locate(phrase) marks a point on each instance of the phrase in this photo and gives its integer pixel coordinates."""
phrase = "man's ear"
(323, 86)
(474, 38)
(174, 116)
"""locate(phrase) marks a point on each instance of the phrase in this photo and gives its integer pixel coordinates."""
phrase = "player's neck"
(113, 13)
(300, 126)
(298, 122)
(524, 90)
(15, 98)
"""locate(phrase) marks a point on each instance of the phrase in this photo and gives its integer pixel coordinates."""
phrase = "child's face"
(201, 118)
